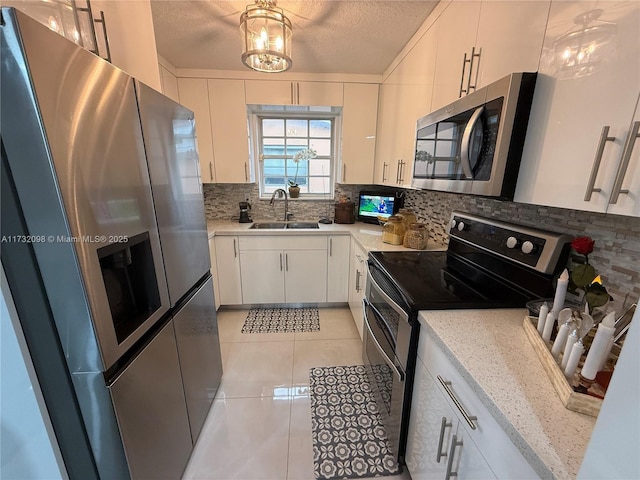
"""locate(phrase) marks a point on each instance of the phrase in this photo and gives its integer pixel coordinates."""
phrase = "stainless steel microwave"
(474, 145)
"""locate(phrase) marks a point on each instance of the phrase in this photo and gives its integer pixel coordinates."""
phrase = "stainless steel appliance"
(474, 145)
(245, 208)
(102, 196)
(488, 264)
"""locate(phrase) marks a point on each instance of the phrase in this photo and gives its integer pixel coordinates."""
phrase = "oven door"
(386, 374)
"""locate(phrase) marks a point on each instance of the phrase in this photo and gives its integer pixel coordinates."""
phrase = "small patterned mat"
(349, 440)
(282, 320)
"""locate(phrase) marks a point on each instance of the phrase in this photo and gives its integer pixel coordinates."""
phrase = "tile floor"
(259, 426)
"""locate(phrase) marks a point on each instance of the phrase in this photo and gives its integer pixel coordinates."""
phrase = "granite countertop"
(491, 351)
(368, 236)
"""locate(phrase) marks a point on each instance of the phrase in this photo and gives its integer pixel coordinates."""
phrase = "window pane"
(319, 185)
(322, 147)
(296, 127)
(273, 146)
(320, 128)
(272, 127)
(294, 145)
(319, 167)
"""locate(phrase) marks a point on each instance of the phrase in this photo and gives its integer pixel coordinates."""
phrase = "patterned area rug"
(282, 320)
(349, 440)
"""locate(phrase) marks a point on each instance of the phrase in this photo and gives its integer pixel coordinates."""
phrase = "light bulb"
(264, 36)
(53, 24)
(566, 54)
(259, 43)
(279, 43)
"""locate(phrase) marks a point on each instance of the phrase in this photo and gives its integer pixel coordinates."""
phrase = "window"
(278, 137)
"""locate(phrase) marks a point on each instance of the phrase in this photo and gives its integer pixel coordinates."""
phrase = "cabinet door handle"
(473, 56)
(624, 162)
(344, 172)
(444, 425)
(92, 28)
(235, 250)
(246, 172)
(454, 443)
(384, 169)
(402, 164)
(104, 34)
(398, 171)
(297, 93)
(210, 171)
(469, 419)
(286, 262)
(604, 138)
(464, 65)
(331, 247)
(292, 99)
(357, 280)
(280, 262)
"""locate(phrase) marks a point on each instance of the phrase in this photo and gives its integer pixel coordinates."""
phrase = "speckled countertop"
(491, 351)
(368, 236)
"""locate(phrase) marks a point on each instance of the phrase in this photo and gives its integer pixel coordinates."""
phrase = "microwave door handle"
(465, 151)
(393, 366)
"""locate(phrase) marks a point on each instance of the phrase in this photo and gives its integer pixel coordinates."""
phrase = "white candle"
(574, 358)
(561, 292)
(561, 340)
(605, 357)
(605, 332)
(571, 339)
(542, 316)
(548, 325)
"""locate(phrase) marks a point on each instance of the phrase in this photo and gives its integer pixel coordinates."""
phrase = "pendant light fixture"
(266, 37)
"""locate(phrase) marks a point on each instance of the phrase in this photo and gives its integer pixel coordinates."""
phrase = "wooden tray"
(578, 402)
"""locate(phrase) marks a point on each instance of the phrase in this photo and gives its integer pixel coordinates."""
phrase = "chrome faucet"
(281, 192)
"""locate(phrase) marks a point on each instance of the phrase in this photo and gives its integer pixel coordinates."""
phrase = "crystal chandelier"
(266, 37)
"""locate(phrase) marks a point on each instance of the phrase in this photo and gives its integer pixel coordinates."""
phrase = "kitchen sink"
(302, 225)
(271, 225)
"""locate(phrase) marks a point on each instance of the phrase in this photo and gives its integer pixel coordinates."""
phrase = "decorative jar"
(393, 230)
(408, 217)
(416, 237)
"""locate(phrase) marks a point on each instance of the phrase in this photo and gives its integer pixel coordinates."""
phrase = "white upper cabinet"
(359, 118)
(510, 36)
(169, 84)
(229, 130)
(194, 94)
(132, 40)
(457, 28)
(281, 92)
(580, 131)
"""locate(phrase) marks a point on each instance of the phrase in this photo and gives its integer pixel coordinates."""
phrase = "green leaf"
(583, 275)
(596, 296)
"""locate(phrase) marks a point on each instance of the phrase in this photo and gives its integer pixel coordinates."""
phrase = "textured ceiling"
(329, 36)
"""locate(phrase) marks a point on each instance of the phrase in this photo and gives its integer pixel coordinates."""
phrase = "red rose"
(583, 245)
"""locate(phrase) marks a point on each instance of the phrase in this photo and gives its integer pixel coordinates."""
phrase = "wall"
(617, 250)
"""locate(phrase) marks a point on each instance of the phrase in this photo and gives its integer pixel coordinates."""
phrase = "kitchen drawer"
(282, 242)
(505, 459)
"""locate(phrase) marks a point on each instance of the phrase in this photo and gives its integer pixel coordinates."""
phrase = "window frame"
(285, 113)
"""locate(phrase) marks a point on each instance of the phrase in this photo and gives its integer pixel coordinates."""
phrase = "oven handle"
(386, 297)
(400, 375)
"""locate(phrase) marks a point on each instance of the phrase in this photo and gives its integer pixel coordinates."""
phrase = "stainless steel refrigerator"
(105, 252)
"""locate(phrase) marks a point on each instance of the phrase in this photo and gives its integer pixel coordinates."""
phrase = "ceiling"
(329, 36)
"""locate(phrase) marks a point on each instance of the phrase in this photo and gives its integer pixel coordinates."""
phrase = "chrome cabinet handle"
(235, 251)
(386, 358)
(292, 99)
(402, 164)
(280, 262)
(473, 56)
(92, 28)
(331, 247)
(469, 419)
(624, 162)
(398, 171)
(384, 169)
(211, 171)
(464, 65)
(443, 426)
(286, 262)
(454, 443)
(604, 138)
(358, 280)
(344, 172)
(465, 150)
(246, 172)
(104, 34)
(297, 93)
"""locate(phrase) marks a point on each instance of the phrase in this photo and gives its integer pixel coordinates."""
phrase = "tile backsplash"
(616, 256)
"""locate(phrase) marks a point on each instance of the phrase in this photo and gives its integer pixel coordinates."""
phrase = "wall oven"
(487, 265)
(474, 145)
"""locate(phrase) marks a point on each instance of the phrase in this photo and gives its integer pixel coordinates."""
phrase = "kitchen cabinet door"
(262, 274)
(457, 30)
(386, 140)
(230, 131)
(280, 92)
(359, 119)
(305, 276)
(132, 40)
(169, 84)
(581, 112)
(510, 36)
(338, 268)
(228, 267)
(194, 94)
(357, 284)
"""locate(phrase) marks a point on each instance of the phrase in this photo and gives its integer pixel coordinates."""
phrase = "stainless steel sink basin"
(272, 225)
(302, 225)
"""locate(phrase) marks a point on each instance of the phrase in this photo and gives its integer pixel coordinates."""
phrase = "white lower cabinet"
(441, 442)
(283, 269)
(338, 268)
(357, 283)
(227, 257)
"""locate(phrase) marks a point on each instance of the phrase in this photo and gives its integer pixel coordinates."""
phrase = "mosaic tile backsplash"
(616, 256)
